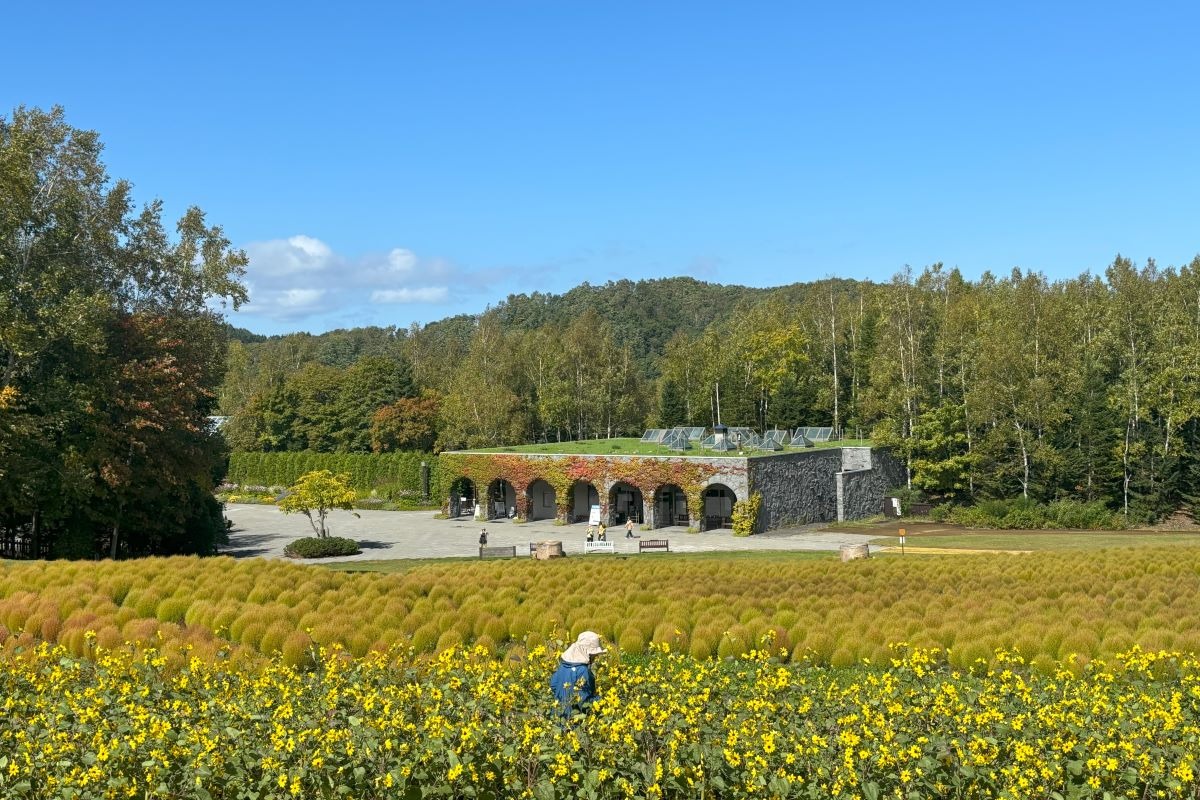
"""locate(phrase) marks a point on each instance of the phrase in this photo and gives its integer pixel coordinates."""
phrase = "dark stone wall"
(796, 488)
(863, 491)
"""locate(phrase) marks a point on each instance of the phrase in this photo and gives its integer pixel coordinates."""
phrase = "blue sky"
(385, 163)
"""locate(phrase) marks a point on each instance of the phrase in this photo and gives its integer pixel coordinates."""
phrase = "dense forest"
(1007, 386)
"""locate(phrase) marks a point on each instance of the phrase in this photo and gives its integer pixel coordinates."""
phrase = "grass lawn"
(401, 565)
(1039, 540)
(635, 447)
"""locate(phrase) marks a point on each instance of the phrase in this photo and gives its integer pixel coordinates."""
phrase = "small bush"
(1020, 513)
(907, 497)
(312, 547)
(372, 503)
(745, 514)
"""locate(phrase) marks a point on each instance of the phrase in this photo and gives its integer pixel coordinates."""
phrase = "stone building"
(812, 485)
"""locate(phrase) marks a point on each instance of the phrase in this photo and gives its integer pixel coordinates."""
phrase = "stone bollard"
(548, 550)
(852, 551)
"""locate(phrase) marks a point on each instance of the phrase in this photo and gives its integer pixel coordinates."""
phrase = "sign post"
(902, 533)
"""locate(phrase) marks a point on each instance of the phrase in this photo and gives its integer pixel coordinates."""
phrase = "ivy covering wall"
(647, 474)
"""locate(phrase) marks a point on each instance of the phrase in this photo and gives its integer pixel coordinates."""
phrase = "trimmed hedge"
(390, 475)
(312, 547)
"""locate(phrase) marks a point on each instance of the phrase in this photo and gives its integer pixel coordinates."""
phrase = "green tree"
(110, 352)
(672, 405)
(483, 405)
(371, 383)
(317, 493)
(410, 423)
(678, 366)
(941, 462)
(772, 350)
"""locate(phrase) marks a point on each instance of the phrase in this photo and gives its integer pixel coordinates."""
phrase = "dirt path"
(951, 550)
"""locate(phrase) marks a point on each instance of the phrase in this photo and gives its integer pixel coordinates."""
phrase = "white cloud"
(283, 304)
(302, 276)
(425, 294)
(396, 266)
(401, 261)
(299, 298)
(292, 256)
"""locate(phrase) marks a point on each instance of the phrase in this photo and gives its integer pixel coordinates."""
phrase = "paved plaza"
(261, 530)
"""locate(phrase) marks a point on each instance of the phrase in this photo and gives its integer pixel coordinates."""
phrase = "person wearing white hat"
(573, 682)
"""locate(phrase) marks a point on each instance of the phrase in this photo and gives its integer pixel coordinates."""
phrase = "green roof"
(636, 447)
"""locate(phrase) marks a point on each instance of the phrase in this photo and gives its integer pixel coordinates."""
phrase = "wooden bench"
(599, 547)
(498, 552)
(653, 544)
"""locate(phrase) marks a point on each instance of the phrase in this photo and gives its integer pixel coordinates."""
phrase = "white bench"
(599, 547)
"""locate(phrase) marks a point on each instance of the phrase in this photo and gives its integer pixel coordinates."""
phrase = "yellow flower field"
(461, 724)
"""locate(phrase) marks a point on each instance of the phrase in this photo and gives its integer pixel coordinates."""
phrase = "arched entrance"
(670, 506)
(718, 506)
(541, 500)
(583, 497)
(624, 502)
(462, 498)
(502, 499)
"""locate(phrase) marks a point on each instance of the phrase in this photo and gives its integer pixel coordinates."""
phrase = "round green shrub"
(312, 547)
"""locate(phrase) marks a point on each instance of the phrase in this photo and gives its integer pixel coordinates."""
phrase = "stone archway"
(583, 496)
(670, 506)
(541, 500)
(501, 500)
(462, 498)
(625, 501)
(718, 506)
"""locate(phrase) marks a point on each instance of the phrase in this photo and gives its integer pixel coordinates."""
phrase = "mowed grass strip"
(399, 565)
(1027, 541)
(1047, 605)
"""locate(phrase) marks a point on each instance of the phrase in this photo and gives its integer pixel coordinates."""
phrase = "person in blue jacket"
(573, 682)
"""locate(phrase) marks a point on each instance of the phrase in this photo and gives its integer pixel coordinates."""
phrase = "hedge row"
(1021, 514)
(390, 475)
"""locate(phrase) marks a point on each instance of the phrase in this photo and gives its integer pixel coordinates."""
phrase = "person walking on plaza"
(629, 527)
(573, 682)
(483, 537)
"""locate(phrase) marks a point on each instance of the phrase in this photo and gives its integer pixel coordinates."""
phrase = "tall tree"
(110, 353)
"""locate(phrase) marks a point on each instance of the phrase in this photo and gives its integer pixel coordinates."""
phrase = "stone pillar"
(840, 477)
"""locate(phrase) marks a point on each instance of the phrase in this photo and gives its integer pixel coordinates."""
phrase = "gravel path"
(261, 530)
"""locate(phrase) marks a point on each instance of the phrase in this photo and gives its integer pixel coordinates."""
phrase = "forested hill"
(642, 314)
(1087, 388)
